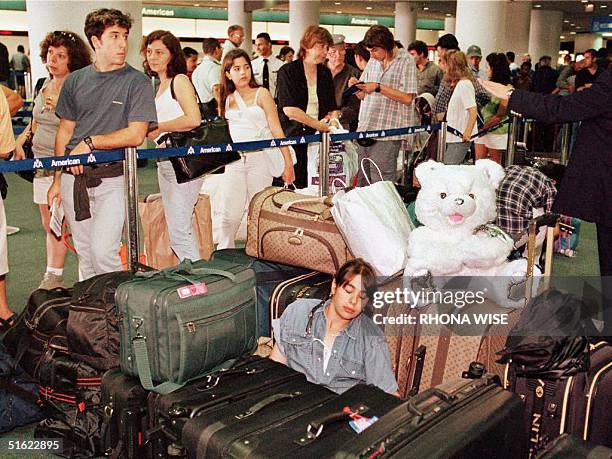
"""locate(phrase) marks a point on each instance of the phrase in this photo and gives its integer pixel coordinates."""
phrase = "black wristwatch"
(89, 143)
(377, 87)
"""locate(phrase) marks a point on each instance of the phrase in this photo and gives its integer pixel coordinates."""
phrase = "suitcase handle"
(184, 269)
(267, 402)
(315, 428)
(412, 405)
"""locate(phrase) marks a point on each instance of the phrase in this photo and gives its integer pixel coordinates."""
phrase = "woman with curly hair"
(63, 52)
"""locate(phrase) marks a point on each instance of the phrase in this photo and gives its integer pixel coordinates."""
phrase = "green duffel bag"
(184, 322)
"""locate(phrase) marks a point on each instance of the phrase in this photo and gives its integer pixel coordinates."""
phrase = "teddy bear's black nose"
(459, 201)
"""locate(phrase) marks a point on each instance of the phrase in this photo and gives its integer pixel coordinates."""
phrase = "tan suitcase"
(157, 248)
(294, 229)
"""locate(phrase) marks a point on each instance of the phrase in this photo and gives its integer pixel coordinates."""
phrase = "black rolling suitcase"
(168, 413)
(212, 433)
(268, 275)
(124, 404)
(318, 432)
(569, 447)
(461, 419)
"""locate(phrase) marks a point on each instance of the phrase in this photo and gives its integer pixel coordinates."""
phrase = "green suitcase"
(184, 322)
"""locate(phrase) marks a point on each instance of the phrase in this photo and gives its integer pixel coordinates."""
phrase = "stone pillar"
(302, 14)
(544, 33)
(237, 15)
(479, 23)
(449, 25)
(518, 14)
(405, 22)
(49, 15)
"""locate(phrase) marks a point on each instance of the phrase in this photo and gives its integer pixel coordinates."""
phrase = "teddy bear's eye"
(443, 195)
(471, 195)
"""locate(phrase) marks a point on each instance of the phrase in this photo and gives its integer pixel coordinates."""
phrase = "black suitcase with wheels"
(124, 406)
(460, 419)
(211, 433)
(168, 413)
(318, 432)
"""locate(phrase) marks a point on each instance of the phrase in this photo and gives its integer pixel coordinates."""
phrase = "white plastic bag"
(375, 224)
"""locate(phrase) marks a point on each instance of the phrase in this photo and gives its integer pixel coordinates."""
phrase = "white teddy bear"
(456, 205)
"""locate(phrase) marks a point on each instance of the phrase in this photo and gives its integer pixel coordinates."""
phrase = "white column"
(302, 13)
(518, 16)
(449, 25)
(237, 15)
(405, 22)
(479, 23)
(49, 15)
(544, 33)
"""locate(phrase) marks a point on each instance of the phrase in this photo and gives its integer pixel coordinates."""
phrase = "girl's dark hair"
(362, 51)
(284, 51)
(177, 64)
(356, 267)
(78, 53)
(379, 36)
(500, 69)
(227, 85)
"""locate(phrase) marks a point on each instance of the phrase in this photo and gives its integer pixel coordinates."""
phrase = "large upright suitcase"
(464, 418)
(180, 323)
(211, 433)
(169, 413)
(318, 432)
(579, 404)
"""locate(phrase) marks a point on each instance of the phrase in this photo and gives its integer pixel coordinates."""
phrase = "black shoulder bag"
(211, 131)
(27, 145)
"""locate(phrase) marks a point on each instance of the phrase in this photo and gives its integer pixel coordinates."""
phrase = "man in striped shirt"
(387, 89)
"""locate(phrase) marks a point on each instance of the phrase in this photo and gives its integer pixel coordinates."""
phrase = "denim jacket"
(359, 355)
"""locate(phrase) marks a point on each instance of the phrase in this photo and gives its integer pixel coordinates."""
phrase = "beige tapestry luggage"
(294, 229)
(157, 249)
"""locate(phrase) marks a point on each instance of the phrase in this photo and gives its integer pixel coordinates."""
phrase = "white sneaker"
(51, 281)
(12, 230)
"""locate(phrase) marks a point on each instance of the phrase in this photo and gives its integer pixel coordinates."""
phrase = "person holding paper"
(62, 52)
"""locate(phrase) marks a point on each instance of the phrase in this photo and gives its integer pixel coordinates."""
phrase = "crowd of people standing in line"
(108, 104)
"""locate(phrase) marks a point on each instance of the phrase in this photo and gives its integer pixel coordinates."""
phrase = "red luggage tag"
(358, 422)
(199, 288)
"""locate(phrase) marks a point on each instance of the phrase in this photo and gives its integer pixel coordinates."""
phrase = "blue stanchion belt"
(496, 126)
(106, 156)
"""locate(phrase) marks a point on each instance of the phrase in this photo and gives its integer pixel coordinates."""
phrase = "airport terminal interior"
(190, 285)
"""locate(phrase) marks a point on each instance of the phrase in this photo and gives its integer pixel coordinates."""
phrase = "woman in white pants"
(177, 111)
(251, 115)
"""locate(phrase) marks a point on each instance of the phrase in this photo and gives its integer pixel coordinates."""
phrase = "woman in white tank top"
(251, 115)
(176, 112)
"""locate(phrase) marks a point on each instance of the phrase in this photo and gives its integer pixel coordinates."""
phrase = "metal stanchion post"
(441, 142)
(131, 207)
(512, 134)
(566, 135)
(324, 164)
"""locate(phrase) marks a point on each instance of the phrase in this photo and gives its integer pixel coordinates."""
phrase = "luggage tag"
(187, 291)
(358, 422)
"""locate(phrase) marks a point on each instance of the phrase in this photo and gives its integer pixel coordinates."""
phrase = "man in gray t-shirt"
(107, 105)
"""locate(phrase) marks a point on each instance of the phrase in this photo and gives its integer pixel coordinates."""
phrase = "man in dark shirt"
(590, 71)
(342, 73)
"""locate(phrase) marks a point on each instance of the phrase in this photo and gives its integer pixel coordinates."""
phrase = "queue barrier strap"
(106, 156)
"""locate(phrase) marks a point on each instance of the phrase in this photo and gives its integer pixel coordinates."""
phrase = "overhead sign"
(601, 24)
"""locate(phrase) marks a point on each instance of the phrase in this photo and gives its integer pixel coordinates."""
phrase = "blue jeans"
(179, 201)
